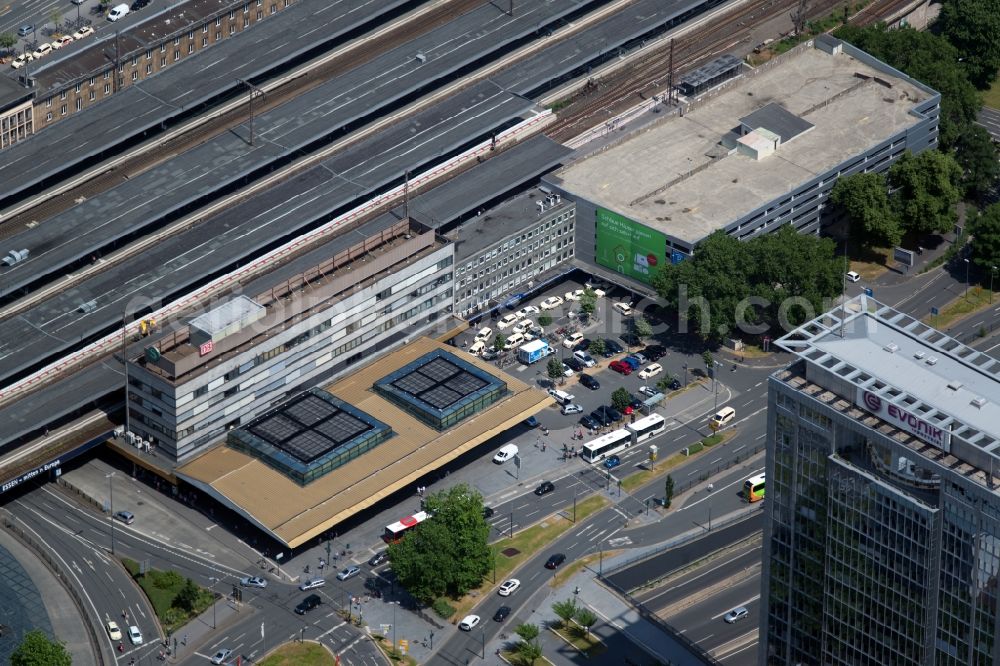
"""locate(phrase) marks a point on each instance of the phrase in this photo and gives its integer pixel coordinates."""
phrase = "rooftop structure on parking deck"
(883, 495)
(294, 512)
(762, 151)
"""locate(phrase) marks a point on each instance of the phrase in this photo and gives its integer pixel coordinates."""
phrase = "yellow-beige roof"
(293, 514)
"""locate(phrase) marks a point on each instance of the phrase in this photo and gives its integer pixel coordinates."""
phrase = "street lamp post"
(966, 278)
(483, 635)
(993, 272)
(685, 374)
(111, 508)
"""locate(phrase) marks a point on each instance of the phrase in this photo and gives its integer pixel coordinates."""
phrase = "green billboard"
(628, 247)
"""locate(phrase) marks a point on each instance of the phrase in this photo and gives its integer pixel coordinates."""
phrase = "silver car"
(349, 572)
(312, 583)
(736, 615)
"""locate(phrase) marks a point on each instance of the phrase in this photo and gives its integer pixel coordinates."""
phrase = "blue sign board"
(934, 311)
(868, 291)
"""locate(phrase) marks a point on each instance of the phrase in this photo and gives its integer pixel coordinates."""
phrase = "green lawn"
(588, 644)
(300, 654)
(991, 97)
(161, 588)
(978, 299)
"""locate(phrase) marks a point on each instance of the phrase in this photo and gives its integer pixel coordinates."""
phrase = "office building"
(758, 152)
(383, 283)
(882, 537)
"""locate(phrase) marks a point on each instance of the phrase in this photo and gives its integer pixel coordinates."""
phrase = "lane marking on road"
(740, 447)
(597, 536)
(333, 628)
(758, 384)
(529, 515)
(761, 436)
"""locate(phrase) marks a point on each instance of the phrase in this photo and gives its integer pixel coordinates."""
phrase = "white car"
(650, 370)
(508, 587)
(585, 358)
(20, 60)
(573, 295)
(135, 635)
(599, 293)
(572, 340)
(624, 308)
(253, 581)
(477, 347)
(507, 321)
(484, 334)
(572, 408)
(852, 276)
(523, 326)
(468, 622)
(646, 390)
(114, 633)
(221, 656)
(42, 51)
(83, 32)
(527, 310)
(551, 303)
(567, 371)
(61, 42)
(312, 584)
(515, 340)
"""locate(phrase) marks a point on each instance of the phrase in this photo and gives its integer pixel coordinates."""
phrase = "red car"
(621, 366)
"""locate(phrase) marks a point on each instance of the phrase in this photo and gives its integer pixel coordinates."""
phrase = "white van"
(507, 452)
(561, 397)
(485, 334)
(513, 341)
(118, 12)
(477, 347)
(722, 417)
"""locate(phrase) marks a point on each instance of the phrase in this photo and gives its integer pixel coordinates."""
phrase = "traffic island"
(175, 599)
(306, 653)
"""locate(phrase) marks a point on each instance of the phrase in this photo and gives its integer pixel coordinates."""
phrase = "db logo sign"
(873, 402)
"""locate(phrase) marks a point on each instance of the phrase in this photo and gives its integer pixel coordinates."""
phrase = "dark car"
(631, 339)
(654, 352)
(613, 413)
(674, 385)
(307, 604)
(501, 614)
(582, 345)
(555, 560)
(381, 557)
(139, 4)
(573, 364)
(612, 347)
(590, 422)
(487, 512)
(544, 487)
(612, 461)
(531, 422)
(636, 403)
(601, 417)
(590, 382)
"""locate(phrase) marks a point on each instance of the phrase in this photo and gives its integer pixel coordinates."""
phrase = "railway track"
(363, 50)
(646, 76)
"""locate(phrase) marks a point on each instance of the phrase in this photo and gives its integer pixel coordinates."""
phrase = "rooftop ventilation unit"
(931, 360)
(892, 348)
(919, 355)
(978, 402)
(954, 385)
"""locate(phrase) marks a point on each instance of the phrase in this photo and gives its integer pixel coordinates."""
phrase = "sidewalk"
(196, 634)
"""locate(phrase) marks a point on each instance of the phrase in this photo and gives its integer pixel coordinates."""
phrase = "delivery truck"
(533, 351)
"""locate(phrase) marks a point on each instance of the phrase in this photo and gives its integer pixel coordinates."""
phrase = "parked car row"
(47, 48)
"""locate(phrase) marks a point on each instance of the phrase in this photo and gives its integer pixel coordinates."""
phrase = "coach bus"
(753, 488)
(398, 529)
(646, 427)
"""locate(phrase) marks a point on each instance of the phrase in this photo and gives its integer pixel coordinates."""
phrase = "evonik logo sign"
(911, 423)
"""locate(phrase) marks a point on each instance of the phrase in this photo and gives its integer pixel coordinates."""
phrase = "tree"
(555, 369)
(588, 302)
(565, 610)
(36, 649)
(927, 189)
(641, 326)
(663, 385)
(585, 618)
(499, 342)
(977, 155)
(597, 347)
(668, 491)
(545, 319)
(973, 27)
(930, 59)
(56, 17)
(986, 240)
(864, 197)
(527, 631)
(708, 360)
(187, 597)
(7, 41)
(621, 398)
(448, 554)
(529, 653)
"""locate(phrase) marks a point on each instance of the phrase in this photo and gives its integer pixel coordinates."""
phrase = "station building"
(16, 122)
(759, 152)
(882, 531)
(383, 283)
(304, 466)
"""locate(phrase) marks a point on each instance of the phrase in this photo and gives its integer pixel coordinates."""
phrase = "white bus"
(395, 532)
(605, 445)
(646, 427)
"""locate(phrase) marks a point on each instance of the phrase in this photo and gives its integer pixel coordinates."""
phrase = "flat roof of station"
(293, 514)
(675, 177)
